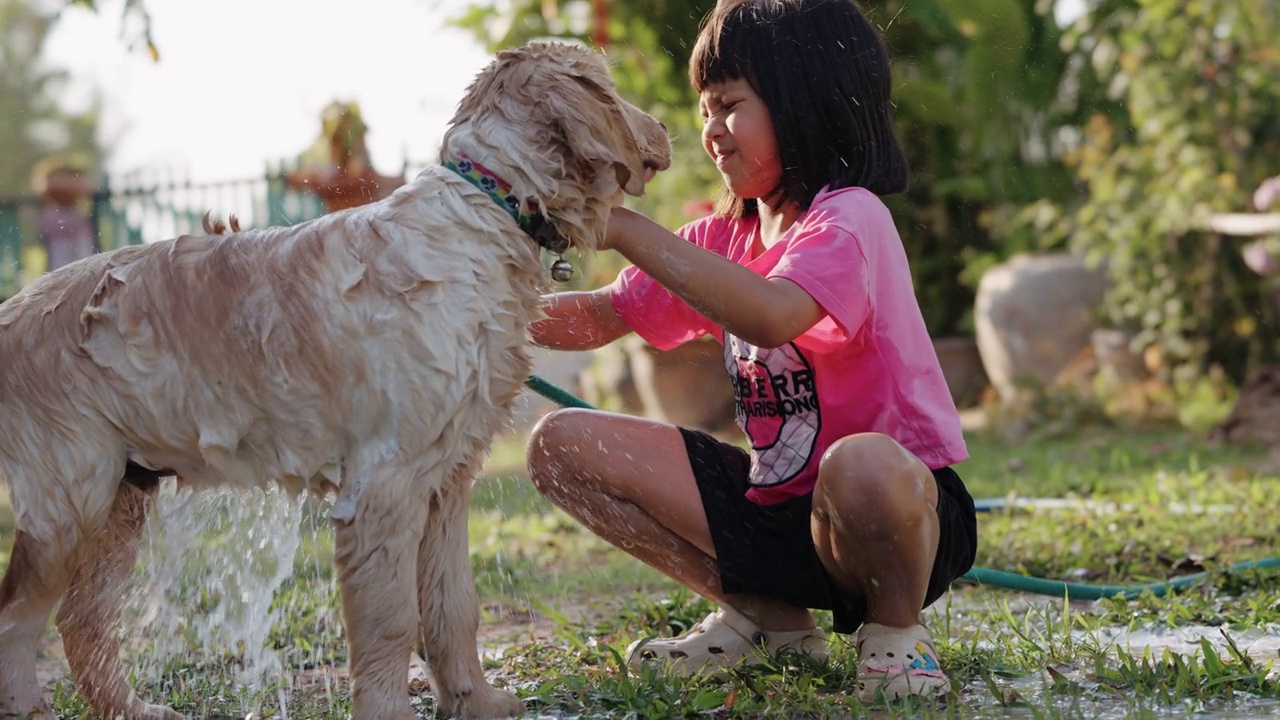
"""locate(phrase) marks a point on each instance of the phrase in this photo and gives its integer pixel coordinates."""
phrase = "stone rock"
(1256, 415)
(1033, 315)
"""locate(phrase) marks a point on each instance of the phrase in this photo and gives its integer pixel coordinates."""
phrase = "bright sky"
(241, 83)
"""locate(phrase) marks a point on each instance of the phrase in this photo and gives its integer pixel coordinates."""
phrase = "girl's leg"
(630, 482)
(875, 526)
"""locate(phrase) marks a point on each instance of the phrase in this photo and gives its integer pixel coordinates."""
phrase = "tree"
(32, 124)
(137, 17)
(1198, 128)
(980, 103)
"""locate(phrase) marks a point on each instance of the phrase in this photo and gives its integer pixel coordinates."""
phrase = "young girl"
(846, 501)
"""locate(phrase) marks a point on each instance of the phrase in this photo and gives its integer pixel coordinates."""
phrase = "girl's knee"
(869, 476)
(555, 442)
(554, 431)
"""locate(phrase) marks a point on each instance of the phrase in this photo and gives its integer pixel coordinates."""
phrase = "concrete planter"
(962, 367)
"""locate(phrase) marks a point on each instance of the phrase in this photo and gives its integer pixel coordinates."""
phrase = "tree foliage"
(33, 125)
(980, 104)
(1198, 128)
(977, 87)
(1117, 137)
(137, 20)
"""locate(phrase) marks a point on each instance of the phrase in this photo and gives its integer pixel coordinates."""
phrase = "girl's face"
(737, 132)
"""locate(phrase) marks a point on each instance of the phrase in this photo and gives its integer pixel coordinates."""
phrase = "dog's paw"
(160, 712)
(36, 712)
(489, 702)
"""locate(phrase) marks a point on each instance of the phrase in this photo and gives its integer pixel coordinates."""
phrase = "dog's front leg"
(451, 611)
(376, 559)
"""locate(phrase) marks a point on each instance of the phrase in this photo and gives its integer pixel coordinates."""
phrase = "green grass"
(1160, 503)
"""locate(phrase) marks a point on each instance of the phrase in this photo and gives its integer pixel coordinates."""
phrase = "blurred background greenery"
(1111, 128)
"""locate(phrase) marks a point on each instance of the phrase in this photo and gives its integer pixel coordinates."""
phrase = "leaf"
(927, 101)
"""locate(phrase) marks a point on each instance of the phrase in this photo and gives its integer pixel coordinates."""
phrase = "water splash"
(208, 571)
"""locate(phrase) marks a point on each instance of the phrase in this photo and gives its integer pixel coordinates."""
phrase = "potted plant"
(337, 166)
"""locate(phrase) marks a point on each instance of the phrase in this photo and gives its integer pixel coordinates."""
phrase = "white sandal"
(897, 663)
(724, 638)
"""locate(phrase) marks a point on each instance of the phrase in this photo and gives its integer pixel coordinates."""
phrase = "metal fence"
(150, 206)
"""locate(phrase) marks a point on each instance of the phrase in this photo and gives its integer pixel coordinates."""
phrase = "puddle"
(1260, 644)
(1032, 695)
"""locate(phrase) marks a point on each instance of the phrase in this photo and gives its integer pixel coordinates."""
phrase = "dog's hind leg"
(47, 547)
(375, 553)
(24, 608)
(89, 618)
(451, 610)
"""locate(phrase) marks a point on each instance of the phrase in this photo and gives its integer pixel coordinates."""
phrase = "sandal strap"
(771, 640)
(735, 621)
(724, 637)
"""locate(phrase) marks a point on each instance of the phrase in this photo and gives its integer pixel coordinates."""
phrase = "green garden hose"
(1078, 591)
(556, 394)
(987, 576)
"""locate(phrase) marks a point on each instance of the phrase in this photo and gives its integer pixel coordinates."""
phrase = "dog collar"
(532, 221)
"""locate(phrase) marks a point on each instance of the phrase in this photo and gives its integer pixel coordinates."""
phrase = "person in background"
(64, 227)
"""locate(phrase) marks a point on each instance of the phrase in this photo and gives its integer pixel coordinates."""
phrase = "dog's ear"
(596, 129)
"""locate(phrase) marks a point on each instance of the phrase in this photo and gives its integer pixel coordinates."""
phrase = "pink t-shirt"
(868, 366)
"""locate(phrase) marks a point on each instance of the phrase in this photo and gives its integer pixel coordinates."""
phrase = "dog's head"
(547, 117)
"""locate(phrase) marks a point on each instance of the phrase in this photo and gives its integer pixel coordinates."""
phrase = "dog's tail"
(217, 227)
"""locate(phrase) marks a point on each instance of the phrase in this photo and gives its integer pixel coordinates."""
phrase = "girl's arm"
(578, 321)
(767, 313)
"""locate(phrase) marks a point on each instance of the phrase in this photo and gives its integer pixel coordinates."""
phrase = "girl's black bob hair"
(823, 72)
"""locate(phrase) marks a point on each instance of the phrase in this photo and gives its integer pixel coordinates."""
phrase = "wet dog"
(369, 355)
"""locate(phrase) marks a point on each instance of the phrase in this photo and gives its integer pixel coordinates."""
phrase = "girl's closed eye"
(715, 104)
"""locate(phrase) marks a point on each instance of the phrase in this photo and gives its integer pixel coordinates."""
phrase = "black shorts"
(767, 550)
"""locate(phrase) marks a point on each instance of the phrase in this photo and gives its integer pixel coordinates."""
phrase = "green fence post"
(101, 200)
(10, 250)
(288, 207)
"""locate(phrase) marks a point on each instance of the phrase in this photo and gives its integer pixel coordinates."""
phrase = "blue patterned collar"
(532, 221)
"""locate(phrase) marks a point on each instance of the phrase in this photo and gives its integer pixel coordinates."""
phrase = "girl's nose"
(713, 128)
